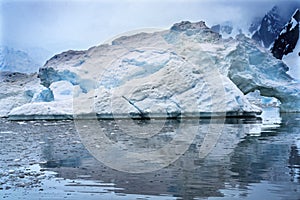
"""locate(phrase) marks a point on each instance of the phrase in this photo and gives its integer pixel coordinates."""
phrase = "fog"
(73, 24)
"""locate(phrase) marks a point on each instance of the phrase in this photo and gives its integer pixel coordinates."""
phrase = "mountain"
(282, 40)
(38, 54)
(288, 38)
(188, 70)
(287, 45)
(293, 58)
(17, 61)
(270, 27)
(255, 25)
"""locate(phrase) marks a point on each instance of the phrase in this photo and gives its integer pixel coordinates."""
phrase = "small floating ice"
(22, 123)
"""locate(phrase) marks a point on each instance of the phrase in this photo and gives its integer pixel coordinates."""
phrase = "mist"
(72, 24)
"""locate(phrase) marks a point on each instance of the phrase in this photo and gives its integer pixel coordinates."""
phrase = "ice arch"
(251, 68)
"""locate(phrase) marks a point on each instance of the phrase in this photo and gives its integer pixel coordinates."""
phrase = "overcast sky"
(59, 25)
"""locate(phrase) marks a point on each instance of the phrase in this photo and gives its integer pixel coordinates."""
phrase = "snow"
(293, 59)
(282, 32)
(44, 110)
(62, 90)
(135, 63)
(294, 23)
(188, 71)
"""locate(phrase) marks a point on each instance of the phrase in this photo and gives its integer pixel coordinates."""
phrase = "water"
(217, 159)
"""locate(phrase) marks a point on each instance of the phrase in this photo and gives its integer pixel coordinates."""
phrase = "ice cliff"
(188, 70)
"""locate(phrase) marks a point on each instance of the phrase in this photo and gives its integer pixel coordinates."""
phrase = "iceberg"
(187, 71)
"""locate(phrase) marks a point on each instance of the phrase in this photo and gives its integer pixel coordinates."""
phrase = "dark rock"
(288, 38)
(186, 25)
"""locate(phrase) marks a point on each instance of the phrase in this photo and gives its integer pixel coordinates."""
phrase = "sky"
(60, 25)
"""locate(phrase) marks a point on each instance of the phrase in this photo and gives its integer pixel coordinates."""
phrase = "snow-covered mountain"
(17, 61)
(270, 27)
(188, 70)
(287, 45)
(287, 40)
(255, 24)
(38, 54)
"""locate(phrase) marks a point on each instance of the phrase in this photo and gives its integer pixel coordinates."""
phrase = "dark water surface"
(248, 159)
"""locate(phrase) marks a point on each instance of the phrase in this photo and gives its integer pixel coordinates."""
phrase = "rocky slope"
(269, 28)
(188, 70)
(287, 40)
(287, 45)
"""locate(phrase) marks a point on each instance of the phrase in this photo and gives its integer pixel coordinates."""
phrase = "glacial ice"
(62, 90)
(44, 95)
(266, 74)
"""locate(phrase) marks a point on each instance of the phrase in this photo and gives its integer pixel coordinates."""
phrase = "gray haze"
(60, 25)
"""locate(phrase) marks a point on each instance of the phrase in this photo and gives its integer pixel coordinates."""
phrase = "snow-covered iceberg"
(188, 70)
